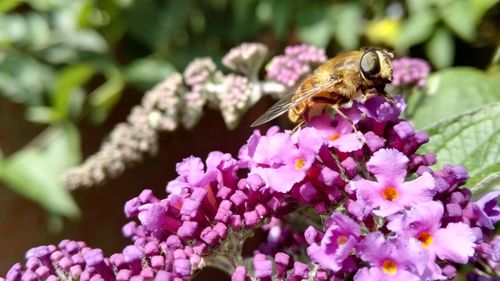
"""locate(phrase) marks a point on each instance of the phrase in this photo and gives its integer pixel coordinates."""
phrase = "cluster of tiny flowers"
(72, 260)
(410, 72)
(297, 61)
(196, 75)
(130, 141)
(246, 58)
(338, 199)
(235, 98)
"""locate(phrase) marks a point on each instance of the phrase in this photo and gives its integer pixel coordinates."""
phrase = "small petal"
(388, 164)
(455, 242)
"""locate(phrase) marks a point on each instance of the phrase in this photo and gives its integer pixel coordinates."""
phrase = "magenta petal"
(428, 215)
(487, 210)
(419, 190)
(349, 142)
(369, 274)
(281, 179)
(388, 165)
(454, 243)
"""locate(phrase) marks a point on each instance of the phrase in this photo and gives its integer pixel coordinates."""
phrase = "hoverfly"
(341, 79)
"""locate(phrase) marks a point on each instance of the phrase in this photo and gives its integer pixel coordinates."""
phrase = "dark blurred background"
(71, 70)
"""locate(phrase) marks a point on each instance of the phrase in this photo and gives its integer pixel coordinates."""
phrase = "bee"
(346, 77)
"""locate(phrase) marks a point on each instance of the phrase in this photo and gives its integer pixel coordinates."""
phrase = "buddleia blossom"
(247, 58)
(351, 199)
(196, 75)
(410, 72)
(297, 61)
(235, 99)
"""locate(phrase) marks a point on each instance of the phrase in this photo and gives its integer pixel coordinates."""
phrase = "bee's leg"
(350, 121)
(342, 171)
(381, 91)
(298, 126)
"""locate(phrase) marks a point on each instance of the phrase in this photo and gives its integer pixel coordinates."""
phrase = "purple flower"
(380, 110)
(283, 161)
(298, 60)
(455, 242)
(390, 193)
(392, 259)
(337, 243)
(235, 98)
(337, 133)
(487, 210)
(410, 72)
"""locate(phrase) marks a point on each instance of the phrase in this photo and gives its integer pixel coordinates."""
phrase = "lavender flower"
(390, 194)
(410, 72)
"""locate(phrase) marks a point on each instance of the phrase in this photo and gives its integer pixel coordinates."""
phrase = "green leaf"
(459, 17)
(314, 26)
(7, 5)
(441, 48)
(147, 71)
(41, 114)
(487, 184)
(471, 139)
(34, 172)
(106, 96)
(453, 91)
(281, 17)
(24, 80)
(347, 29)
(417, 5)
(69, 80)
(417, 28)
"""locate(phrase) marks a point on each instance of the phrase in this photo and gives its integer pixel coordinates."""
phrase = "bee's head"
(376, 65)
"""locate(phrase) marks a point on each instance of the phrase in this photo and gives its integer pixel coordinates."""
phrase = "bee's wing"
(288, 102)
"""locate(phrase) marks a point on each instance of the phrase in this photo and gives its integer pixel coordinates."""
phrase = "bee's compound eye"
(370, 64)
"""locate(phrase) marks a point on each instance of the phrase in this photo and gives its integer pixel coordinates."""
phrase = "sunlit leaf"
(34, 172)
(459, 17)
(441, 48)
(348, 27)
(7, 5)
(41, 114)
(314, 25)
(417, 28)
(105, 96)
(453, 91)
(38, 31)
(471, 139)
(68, 81)
(24, 80)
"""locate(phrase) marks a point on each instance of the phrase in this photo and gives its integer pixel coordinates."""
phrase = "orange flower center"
(342, 239)
(389, 267)
(426, 238)
(299, 163)
(334, 136)
(390, 193)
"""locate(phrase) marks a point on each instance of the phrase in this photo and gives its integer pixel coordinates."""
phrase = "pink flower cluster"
(411, 72)
(335, 202)
(297, 61)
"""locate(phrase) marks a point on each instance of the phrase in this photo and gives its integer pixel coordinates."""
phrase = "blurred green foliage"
(69, 61)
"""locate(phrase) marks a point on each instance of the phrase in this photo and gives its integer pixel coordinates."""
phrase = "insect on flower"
(346, 77)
